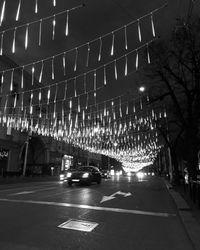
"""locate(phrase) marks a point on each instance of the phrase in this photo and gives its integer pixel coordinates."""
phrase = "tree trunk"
(176, 175)
(192, 153)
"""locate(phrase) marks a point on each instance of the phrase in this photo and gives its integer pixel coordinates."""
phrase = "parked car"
(83, 175)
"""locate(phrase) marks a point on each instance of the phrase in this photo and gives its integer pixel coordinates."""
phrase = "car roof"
(88, 167)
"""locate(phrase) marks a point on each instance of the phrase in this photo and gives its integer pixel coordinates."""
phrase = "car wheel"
(69, 183)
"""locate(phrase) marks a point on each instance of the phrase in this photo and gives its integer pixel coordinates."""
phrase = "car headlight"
(140, 175)
(85, 175)
(69, 175)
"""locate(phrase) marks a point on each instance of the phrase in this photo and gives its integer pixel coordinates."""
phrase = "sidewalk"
(21, 179)
(189, 214)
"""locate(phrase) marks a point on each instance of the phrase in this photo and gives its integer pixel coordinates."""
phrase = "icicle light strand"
(98, 68)
(96, 39)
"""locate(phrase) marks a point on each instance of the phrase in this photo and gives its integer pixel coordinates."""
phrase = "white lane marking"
(109, 209)
(30, 191)
(22, 187)
(23, 192)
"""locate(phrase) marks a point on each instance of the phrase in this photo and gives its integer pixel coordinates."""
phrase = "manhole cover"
(80, 225)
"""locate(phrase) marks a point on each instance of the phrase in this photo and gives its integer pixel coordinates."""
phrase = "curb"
(191, 225)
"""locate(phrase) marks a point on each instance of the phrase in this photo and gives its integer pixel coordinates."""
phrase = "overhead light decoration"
(123, 130)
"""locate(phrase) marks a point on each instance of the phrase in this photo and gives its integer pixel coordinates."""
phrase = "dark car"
(105, 173)
(83, 175)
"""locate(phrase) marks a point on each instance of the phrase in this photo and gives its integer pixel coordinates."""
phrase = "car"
(105, 173)
(83, 175)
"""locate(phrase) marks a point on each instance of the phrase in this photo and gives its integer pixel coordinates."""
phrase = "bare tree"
(174, 75)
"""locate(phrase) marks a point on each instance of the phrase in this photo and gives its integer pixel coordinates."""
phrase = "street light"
(141, 88)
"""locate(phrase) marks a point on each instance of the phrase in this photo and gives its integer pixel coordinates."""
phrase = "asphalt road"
(121, 213)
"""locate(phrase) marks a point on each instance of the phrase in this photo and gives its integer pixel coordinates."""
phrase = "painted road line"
(26, 186)
(108, 209)
(21, 193)
(30, 191)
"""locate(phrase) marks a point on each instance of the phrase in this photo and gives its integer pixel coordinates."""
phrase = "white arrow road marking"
(112, 196)
(108, 209)
(107, 198)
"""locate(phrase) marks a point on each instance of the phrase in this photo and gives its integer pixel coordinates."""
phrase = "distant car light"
(62, 177)
(129, 174)
(112, 172)
(85, 175)
(140, 175)
(69, 174)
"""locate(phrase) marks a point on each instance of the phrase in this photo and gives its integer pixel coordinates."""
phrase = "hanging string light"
(113, 44)
(115, 65)
(13, 44)
(136, 60)
(2, 12)
(76, 58)
(54, 3)
(152, 26)
(52, 69)
(18, 10)
(125, 37)
(32, 74)
(75, 91)
(1, 49)
(40, 33)
(2, 81)
(22, 78)
(53, 27)
(65, 91)
(88, 54)
(100, 48)
(41, 72)
(36, 6)
(67, 24)
(148, 56)
(104, 76)
(126, 66)
(26, 37)
(11, 80)
(64, 63)
(139, 31)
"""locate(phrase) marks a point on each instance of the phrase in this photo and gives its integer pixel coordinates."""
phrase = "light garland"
(113, 130)
(87, 44)
(27, 27)
(83, 75)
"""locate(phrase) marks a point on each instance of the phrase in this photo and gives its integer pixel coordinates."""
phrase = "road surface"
(120, 213)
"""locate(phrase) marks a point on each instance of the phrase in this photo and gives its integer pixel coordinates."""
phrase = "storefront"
(67, 162)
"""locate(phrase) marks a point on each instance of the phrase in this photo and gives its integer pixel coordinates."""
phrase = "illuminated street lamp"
(142, 89)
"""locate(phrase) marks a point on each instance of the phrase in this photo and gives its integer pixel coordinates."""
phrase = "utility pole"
(26, 153)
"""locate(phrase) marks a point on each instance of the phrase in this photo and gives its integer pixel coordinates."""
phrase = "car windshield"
(86, 169)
